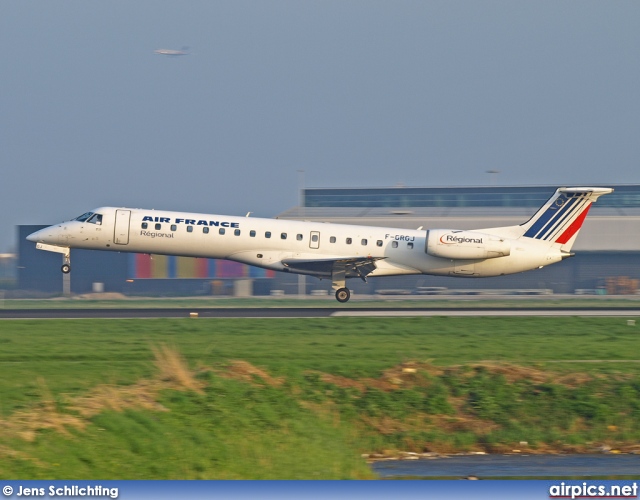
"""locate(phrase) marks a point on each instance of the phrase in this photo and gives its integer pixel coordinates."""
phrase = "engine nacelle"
(456, 244)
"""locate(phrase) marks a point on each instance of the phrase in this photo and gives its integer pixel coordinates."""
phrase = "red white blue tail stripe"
(562, 216)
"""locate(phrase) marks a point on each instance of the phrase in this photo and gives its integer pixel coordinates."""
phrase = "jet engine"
(456, 244)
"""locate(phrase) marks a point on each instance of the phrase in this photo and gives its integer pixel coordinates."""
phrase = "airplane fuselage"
(268, 243)
(333, 251)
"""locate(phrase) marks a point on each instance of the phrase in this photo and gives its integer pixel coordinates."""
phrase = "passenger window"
(252, 234)
(394, 244)
(283, 236)
(174, 227)
(145, 225)
(221, 230)
(364, 242)
(332, 239)
(349, 240)
(409, 246)
(299, 237)
(189, 229)
(314, 238)
(158, 227)
(237, 232)
(205, 230)
(379, 243)
(267, 234)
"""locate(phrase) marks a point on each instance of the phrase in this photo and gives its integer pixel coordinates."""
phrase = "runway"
(303, 312)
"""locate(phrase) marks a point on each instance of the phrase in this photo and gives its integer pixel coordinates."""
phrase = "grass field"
(304, 398)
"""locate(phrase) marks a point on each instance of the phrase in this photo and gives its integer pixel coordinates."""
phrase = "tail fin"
(560, 219)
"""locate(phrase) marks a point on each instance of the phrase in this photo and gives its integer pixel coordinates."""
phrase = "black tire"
(343, 295)
(66, 268)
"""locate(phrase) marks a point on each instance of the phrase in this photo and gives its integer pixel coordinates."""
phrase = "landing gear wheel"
(66, 268)
(343, 295)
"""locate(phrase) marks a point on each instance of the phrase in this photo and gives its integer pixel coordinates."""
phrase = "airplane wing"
(353, 267)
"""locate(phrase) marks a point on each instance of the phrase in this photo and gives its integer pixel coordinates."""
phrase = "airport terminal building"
(607, 249)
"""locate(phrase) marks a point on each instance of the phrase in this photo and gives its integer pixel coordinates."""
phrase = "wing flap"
(353, 266)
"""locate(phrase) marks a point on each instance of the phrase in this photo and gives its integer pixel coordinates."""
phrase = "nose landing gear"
(65, 251)
(66, 262)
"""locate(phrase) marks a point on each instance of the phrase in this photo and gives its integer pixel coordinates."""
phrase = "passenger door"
(121, 231)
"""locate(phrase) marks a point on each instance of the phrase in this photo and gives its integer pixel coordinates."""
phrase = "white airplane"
(172, 52)
(332, 251)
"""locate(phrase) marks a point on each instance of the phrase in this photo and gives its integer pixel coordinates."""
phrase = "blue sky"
(355, 93)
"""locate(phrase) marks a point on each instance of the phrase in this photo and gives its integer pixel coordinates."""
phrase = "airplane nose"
(52, 235)
(34, 237)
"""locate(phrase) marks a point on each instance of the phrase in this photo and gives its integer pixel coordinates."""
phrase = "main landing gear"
(66, 268)
(338, 282)
(343, 295)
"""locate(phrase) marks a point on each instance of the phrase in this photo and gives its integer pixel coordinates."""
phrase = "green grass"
(339, 391)
(232, 431)
(75, 354)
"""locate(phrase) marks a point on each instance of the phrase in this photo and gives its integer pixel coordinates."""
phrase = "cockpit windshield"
(95, 219)
(84, 217)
